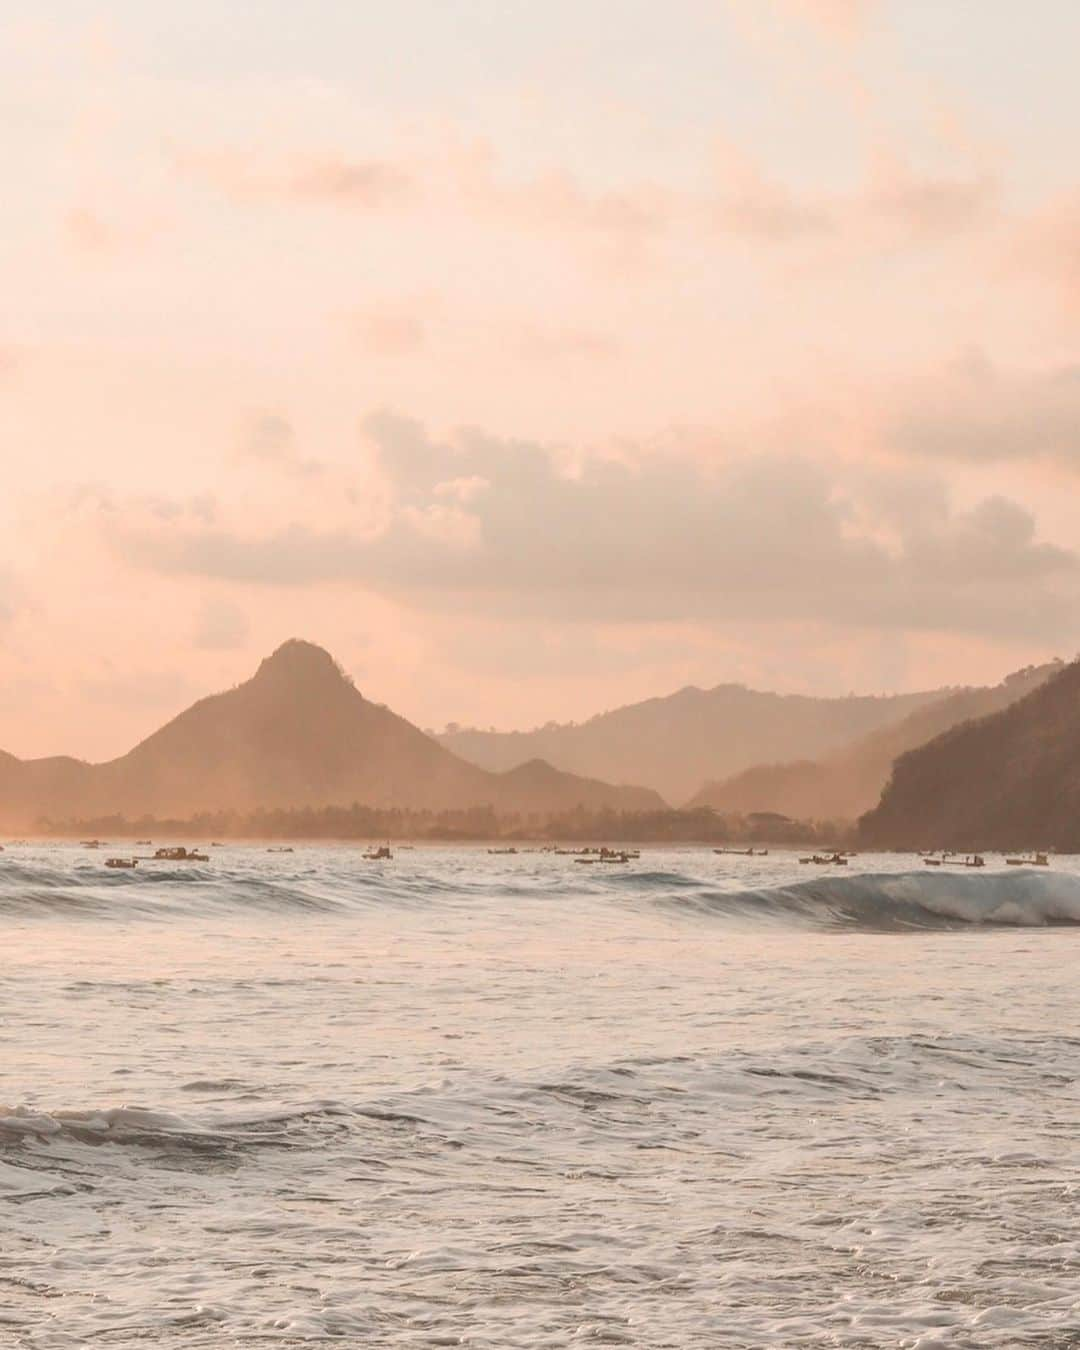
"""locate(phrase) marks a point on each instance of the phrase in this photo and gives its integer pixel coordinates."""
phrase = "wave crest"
(897, 902)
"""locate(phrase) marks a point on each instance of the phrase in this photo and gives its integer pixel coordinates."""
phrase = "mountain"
(296, 734)
(675, 744)
(1010, 780)
(844, 785)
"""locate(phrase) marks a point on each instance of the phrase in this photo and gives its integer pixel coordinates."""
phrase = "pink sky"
(533, 359)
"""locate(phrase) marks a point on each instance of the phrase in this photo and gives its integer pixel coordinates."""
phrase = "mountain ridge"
(674, 743)
(297, 733)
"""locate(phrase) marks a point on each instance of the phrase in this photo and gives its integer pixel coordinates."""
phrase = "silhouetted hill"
(297, 734)
(675, 744)
(1010, 780)
(844, 785)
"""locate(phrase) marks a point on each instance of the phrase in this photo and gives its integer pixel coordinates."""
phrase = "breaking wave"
(75, 887)
(896, 902)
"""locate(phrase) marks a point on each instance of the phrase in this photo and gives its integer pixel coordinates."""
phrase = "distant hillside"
(675, 744)
(297, 734)
(1010, 780)
(844, 785)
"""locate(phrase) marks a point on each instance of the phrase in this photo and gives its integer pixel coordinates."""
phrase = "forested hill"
(1010, 780)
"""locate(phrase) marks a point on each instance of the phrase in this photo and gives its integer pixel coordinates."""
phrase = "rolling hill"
(844, 785)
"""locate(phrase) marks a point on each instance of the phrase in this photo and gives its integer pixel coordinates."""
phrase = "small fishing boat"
(121, 862)
(502, 852)
(178, 854)
(1036, 860)
(743, 852)
(380, 854)
(975, 860)
(280, 848)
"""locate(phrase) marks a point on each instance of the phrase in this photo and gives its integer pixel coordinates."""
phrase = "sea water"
(279, 1100)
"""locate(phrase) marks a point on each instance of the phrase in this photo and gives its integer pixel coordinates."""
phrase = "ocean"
(277, 1100)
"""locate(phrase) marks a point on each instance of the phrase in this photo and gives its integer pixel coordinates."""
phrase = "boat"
(933, 862)
(121, 862)
(1036, 860)
(825, 860)
(502, 852)
(380, 854)
(975, 860)
(143, 843)
(178, 854)
(92, 843)
(280, 848)
(743, 852)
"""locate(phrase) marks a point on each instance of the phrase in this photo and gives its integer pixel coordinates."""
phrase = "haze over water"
(695, 1101)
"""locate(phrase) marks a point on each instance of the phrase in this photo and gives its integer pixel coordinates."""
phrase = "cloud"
(221, 626)
(348, 182)
(929, 206)
(975, 411)
(893, 204)
(307, 179)
(658, 538)
(270, 439)
(1047, 246)
(87, 231)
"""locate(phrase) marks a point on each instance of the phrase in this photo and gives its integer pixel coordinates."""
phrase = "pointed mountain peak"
(301, 665)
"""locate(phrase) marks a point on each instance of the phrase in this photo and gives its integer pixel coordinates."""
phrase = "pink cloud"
(314, 179)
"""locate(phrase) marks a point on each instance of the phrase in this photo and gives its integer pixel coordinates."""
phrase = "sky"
(534, 359)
